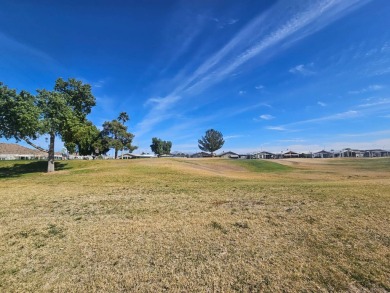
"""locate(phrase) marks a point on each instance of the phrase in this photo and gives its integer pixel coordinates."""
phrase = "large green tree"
(115, 133)
(60, 112)
(211, 142)
(160, 147)
(84, 139)
(19, 115)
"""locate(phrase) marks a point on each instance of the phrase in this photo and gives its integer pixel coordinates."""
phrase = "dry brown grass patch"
(164, 225)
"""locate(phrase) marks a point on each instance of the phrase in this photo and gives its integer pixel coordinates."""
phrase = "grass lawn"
(195, 225)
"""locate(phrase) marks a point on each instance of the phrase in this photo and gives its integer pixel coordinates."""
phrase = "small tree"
(212, 141)
(161, 147)
(123, 117)
(115, 133)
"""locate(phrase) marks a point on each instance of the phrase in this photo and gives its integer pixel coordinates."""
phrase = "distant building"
(12, 151)
(350, 153)
(244, 156)
(323, 154)
(229, 155)
(201, 155)
(376, 153)
(180, 155)
(290, 154)
(263, 155)
(137, 156)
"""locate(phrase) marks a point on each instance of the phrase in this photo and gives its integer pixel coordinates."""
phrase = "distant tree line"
(210, 142)
(62, 112)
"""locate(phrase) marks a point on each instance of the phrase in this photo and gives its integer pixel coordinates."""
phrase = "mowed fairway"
(195, 225)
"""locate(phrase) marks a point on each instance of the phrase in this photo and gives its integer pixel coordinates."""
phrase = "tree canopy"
(115, 134)
(211, 142)
(84, 139)
(19, 114)
(60, 112)
(161, 147)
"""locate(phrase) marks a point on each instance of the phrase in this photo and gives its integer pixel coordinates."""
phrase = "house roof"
(15, 149)
(228, 153)
(264, 152)
(376, 150)
(323, 152)
(204, 154)
(290, 153)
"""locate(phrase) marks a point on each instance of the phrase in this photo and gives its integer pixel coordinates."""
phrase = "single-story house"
(136, 156)
(201, 155)
(263, 155)
(244, 156)
(12, 151)
(350, 153)
(290, 154)
(229, 155)
(376, 153)
(180, 155)
(323, 154)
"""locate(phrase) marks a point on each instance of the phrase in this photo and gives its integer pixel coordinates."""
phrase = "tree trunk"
(116, 153)
(50, 165)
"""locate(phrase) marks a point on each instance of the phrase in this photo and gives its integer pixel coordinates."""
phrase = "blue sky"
(270, 75)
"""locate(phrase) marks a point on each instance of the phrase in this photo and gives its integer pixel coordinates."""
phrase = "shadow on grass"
(20, 169)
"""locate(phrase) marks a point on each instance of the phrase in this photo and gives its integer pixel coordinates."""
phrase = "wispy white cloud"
(266, 105)
(365, 134)
(265, 33)
(185, 147)
(376, 102)
(227, 137)
(259, 87)
(27, 52)
(260, 38)
(106, 105)
(162, 103)
(306, 20)
(95, 84)
(222, 23)
(184, 37)
(370, 88)
(338, 116)
(278, 128)
(235, 111)
(302, 69)
(242, 93)
(266, 117)
(291, 140)
(232, 21)
(99, 84)
(322, 104)
(159, 112)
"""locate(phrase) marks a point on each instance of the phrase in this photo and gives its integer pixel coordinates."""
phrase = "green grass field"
(195, 225)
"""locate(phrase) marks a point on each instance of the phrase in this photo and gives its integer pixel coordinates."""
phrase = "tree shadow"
(20, 169)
